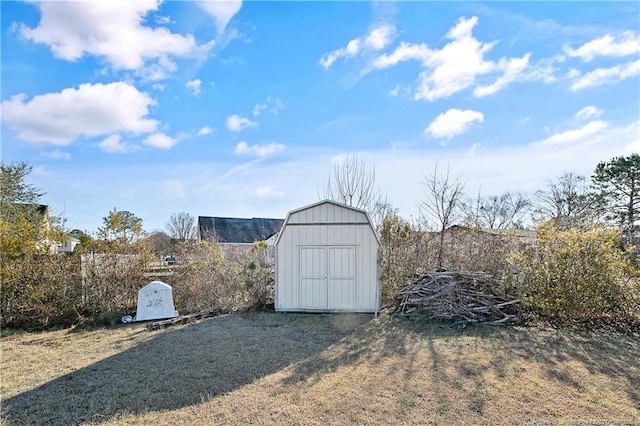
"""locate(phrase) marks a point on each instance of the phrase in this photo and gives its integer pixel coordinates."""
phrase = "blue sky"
(243, 108)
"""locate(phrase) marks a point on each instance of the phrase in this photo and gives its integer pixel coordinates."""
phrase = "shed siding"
(327, 213)
(328, 236)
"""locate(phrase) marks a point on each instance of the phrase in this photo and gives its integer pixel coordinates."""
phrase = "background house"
(68, 245)
(39, 216)
(238, 234)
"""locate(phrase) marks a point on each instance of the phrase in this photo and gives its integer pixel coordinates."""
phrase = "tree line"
(611, 196)
(586, 228)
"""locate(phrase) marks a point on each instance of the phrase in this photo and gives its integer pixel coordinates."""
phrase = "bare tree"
(354, 183)
(497, 211)
(442, 202)
(159, 243)
(568, 201)
(181, 226)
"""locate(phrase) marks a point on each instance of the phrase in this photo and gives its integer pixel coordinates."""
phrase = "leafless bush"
(406, 248)
(257, 276)
(110, 284)
(206, 279)
(468, 249)
(40, 291)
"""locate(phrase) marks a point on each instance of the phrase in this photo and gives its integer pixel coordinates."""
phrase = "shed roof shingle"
(237, 230)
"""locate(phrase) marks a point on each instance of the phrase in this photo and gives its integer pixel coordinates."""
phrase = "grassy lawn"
(273, 368)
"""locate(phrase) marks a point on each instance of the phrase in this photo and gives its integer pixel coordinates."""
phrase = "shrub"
(578, 277)
(257, 276)
(110, 284)
(405, 250)
(40, 291)
(205, 280)
(469, 249)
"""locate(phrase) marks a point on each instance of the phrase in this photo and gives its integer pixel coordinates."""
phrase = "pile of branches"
(462, 297)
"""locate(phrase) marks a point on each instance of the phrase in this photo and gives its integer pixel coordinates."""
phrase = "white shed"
(327, 260)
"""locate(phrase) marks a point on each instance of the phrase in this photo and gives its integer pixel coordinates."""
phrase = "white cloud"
(90, 110)
(41, 171)
(194, 86)
(258, 108)
(588, 112)
(57, 154)
(221, 11)
(633, 147)
(111, 30)
(395, 91)
(267, 192)
(380, 37)
(601, 76)
(457, 64)
(265, 150)
(157, 70)
(160, 140)
(163, 20)
(576, 135)
(236, 123)
(206, 130)
(352, 49)
(404, 52)
(573, 73)
(377, 39)
(113, 144)
(626, 44)
(453, 122)
(512, 67)
(274, 105)
(174, 189)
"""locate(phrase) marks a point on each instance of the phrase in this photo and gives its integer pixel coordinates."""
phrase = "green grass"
(276, 368)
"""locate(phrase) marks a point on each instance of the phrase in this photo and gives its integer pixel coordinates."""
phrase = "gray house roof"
(236, 230)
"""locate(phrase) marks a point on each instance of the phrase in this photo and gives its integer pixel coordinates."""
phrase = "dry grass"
(270, 368)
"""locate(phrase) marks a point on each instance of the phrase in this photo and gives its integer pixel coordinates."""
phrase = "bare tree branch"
(353, 183)
(568, 201)
(442, 200)
(181, 226)
(496, 211)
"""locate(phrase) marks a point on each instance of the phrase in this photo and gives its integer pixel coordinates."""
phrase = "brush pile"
(462, 297)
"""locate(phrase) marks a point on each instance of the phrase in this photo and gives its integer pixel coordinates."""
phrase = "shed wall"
(337, 230)
(327, 213)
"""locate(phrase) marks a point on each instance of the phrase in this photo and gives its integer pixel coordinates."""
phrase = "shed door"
(313, 277)
(327, 277)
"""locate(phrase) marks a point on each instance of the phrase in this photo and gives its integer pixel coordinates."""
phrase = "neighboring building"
(327, 260)
(237, 234)
(69, 245)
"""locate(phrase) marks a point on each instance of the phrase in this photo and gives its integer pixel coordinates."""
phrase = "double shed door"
(328, 277)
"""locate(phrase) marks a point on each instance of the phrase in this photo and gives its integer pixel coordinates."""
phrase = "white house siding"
(327, 260)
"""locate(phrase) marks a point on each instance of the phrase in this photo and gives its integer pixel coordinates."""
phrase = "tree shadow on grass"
(497, 351)
(607, 353)
(180, 367)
